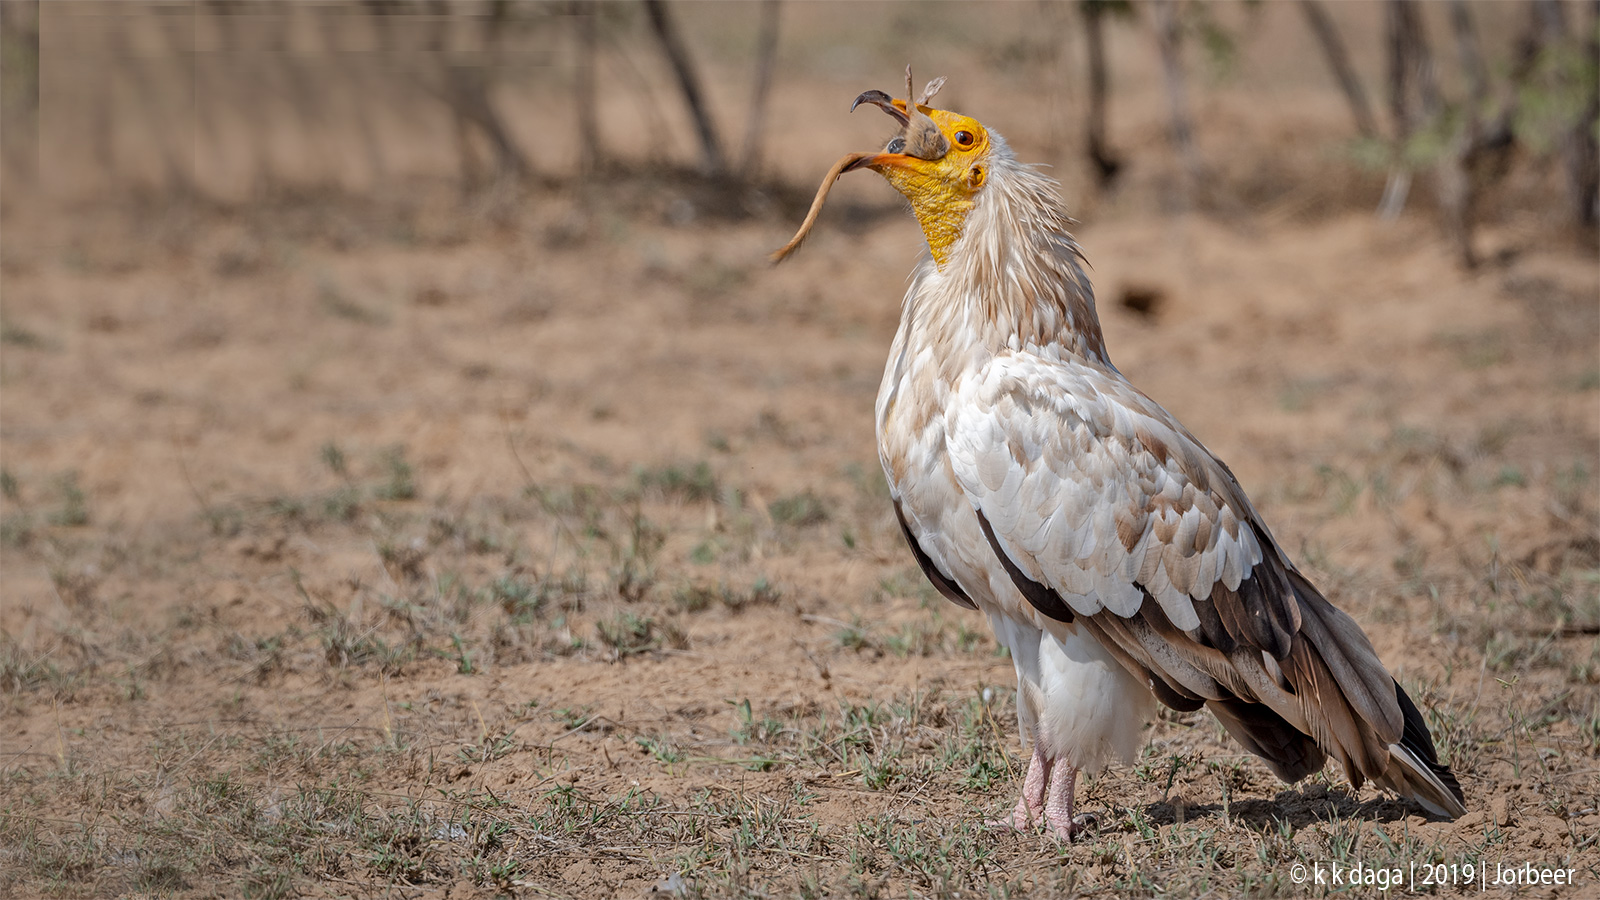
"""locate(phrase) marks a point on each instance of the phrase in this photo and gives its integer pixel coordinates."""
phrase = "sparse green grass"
(799, 510)
(73, 509)
(627, 633)
(843, 795)
(575, 576)
(688, 481)
(398, 482)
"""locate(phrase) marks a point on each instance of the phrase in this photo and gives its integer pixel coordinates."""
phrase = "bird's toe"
(1021, 818)
(1069, 828)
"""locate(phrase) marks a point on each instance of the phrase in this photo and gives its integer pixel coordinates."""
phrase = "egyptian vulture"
(1115, 557)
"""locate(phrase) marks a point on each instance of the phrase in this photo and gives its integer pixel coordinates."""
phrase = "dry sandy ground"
(537, 547)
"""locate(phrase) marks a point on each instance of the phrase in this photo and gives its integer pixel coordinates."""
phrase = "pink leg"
(1058, 804)
(1029, 811)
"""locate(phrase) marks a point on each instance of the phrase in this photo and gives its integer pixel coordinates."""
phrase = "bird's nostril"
(896, 145)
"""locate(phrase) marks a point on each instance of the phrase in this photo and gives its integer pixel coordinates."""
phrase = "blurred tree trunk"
(1457, 187)
(1333, 50)
(1413, 96)
(446, 91)
(464, 88)
(358, 95)
(470, 83)
(766, 59)
(1181, 128)
(19, 60)
(305, 95)
(261, 170)
(650, 115)
(585, 96)
(1577, 146)
(712, 159)
(1583, 148)
(178, 179)
(1106, 163)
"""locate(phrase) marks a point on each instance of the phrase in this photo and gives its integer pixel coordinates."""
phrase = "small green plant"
(799, 510)
(748, 730)
(74, 509)
(399, 482)
(627, 634)
(342, 505)
(463, 656)
(693, 598)
(490, 750)
(333, 457)
(662, 748)
(518, 598)
(760, 593)
(688, 482)
(855, 636)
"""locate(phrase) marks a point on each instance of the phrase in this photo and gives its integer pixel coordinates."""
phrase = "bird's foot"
(1058, 817)
(1021, 818)
(1069, 828)
(1028, 814)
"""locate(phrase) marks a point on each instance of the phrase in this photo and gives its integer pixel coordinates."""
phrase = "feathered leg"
(1029, 812)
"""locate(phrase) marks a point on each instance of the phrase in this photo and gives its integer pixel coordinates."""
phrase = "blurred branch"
(1333, 50)
(1471, 60)
(1571, 73)
(712, 159)
(464, 86)
(1410, 73)
(19, 86)
(766, 59)
(1583, 157)
(585, 96)
(179, 179)
(469, 88)
(1181, 128)
(361, 113)
(1106, 163)
(1457, 188)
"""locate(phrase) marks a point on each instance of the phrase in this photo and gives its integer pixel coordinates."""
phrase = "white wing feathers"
(1095, 492)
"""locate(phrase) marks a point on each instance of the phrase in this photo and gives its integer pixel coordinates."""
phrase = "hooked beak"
(886, 103)
(919, 137)
(891, 155)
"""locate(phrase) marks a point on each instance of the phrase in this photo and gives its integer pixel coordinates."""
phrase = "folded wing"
(1104, 510)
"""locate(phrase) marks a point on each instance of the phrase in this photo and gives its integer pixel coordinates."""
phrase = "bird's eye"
(964, 139)
(896, 145)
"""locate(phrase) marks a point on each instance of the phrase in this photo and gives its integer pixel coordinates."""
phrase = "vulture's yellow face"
(938, 161)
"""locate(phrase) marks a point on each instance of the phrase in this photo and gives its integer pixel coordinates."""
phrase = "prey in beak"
(919, 138)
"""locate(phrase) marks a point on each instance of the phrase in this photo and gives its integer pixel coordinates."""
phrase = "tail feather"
(1419, 774)
(1395, 749)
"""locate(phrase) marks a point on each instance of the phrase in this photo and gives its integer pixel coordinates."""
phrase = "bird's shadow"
(1296, 807)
